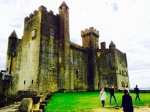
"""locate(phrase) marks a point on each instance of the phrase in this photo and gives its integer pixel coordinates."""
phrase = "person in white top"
(102, 96)
(127, 89)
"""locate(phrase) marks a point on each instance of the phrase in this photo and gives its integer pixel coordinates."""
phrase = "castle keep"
(45, 60)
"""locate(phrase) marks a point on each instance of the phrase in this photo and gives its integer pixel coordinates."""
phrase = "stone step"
(10, 108)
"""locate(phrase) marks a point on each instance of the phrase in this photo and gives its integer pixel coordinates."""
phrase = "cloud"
(15, 25)
(141, 78)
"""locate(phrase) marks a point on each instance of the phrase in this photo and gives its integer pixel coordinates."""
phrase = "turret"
(11, 51)
(64, 46)
(64, 21)
(112, 45)
(12, 43)
(103, 45)
(90, 38)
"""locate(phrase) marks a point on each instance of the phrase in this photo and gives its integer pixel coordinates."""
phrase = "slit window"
(53, 70)
(77, 73)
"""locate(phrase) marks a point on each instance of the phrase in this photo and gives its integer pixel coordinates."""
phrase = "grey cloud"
(16, 25)
(7, 2)
(115, 6)
(145, 43)
(135, 64)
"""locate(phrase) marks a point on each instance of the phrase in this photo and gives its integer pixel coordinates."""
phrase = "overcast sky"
(125, 22)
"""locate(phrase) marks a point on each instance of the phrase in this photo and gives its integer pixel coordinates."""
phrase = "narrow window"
(24, 82)
(33, 34)
(11, 83)
(120, 72)
(77, 71)
(53, 70)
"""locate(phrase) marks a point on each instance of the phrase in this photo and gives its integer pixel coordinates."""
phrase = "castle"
(45, 60)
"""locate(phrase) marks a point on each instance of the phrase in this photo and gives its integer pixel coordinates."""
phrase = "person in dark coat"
(127, 102)
(112, 94)
(137, 91)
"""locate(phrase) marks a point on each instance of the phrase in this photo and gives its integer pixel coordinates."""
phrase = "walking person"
(112, 94)
(137, 91)
(102, 96)
(127, 102)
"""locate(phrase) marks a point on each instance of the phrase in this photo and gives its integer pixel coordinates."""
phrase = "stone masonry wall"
(79, 69)
(48, 67)
(28, 76)
(122, 70)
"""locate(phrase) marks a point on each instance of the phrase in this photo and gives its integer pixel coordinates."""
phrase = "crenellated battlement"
(41, 9)
(31, 15)
(91, 30)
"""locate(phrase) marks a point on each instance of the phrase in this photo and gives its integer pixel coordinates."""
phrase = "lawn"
(80, 101)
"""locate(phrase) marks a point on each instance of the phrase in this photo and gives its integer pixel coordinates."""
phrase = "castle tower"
(112, 45)
(12, 44)
(13, 62)
(103, 45)
(90, 40)
(64, 44)
(64, 21)
(118, 63)
(29, 67)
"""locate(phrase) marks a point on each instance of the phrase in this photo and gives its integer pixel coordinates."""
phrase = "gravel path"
(100, 109)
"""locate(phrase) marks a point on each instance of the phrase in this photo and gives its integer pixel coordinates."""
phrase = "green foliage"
(80, 101)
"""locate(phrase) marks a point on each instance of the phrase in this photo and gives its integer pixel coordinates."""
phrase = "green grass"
(80, 101)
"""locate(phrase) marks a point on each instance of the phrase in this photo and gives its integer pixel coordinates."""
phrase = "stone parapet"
(91, 30)
(35, 12)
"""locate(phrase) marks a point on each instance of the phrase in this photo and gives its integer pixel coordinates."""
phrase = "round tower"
(11, 51)
(64, 21)
(64, 47)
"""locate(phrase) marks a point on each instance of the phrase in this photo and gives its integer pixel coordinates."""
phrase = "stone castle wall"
(28, 76)
(46, 60)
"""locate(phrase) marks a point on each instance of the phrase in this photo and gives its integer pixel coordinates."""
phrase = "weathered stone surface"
(26, 105)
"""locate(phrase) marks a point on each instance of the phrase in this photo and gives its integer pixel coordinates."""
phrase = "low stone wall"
(35, 104)
(26, 105)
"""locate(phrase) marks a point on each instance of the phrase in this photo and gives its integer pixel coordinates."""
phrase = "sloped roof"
(13, 34)
(112, 44)
(63, 4)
